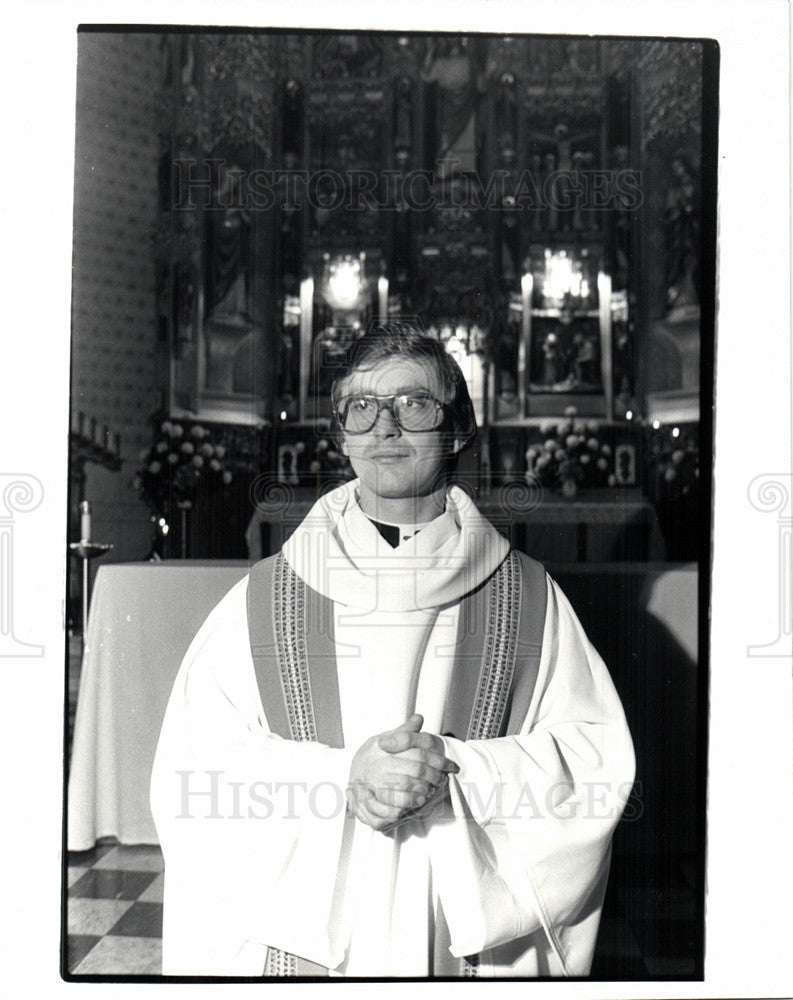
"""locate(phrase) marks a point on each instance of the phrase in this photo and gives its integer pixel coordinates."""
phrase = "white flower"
(678, 456)
(592, 426)
(207, 449)
(612, 480)
(546, 426)
(314, 467)
(198, 461)
(177, 430)
(227, 477)
(161, 447)
(560, 455)
(550, 445)
(670, 475)
(187, 448)
(570, 411)
(166, 427)
(592, 444)
(571, 441)
(173, 458)
(603, 464)
(322, 445)
(198, 432)
(300, 448)
(579, 426)
(220, 451)
(214, 465)
(154, 468)
(606, 450)
(584, 459)
(531, 453)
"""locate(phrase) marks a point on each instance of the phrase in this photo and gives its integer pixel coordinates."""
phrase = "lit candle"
(526, 287)
(85, 521)
(382, 298)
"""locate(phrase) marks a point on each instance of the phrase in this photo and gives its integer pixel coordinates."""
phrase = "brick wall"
(113, 308)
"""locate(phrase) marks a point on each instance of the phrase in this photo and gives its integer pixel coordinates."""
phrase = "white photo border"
(750, 805)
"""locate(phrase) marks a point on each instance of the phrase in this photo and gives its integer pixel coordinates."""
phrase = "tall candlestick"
(85, 521)
(524, 345)
(382, 299)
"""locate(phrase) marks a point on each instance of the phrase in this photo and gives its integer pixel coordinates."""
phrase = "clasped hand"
(397, 774)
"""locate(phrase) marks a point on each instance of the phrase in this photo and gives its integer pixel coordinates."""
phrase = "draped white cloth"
(259, 848)
(339, 553)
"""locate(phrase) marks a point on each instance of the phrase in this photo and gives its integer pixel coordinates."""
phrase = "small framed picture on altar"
(566, 332)
(565, 357)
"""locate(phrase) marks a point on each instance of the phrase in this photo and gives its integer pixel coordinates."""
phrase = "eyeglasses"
(413, 411)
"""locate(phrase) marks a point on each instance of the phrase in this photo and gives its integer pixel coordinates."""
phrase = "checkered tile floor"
(114, 916)
(114, 911)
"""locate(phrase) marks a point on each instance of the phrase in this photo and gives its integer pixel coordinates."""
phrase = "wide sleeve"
(526, 842)
(251, 825)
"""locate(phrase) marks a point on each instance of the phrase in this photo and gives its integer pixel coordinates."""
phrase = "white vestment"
(260, 851)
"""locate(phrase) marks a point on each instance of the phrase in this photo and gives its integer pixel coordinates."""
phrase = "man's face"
(392, 463)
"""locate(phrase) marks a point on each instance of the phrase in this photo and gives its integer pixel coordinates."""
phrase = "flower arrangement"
(570, 454)
(300, 464)
(674, 457)
(179, 463)
(328, 461)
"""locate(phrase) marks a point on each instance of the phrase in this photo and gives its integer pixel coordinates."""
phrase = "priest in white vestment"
(428, 783)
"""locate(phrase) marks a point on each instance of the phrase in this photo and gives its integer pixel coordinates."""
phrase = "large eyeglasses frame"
(388, 402)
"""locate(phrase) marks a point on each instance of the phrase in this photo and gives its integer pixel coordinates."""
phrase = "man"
(391, 750)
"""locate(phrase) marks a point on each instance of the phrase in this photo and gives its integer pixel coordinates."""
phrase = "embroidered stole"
(500, 626)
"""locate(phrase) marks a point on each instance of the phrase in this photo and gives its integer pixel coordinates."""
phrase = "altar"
(608, 525)
(142, 619)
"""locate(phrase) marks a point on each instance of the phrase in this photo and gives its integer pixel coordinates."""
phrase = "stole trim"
(280, 963)
(496, 671)
(498, 655)
(289, 626)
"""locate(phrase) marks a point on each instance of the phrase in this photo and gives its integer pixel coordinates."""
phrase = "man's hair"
(403, 340)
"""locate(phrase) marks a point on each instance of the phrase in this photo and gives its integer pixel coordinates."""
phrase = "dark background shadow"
(653, 918)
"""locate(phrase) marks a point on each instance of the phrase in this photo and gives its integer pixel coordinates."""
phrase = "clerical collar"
(395, 534)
